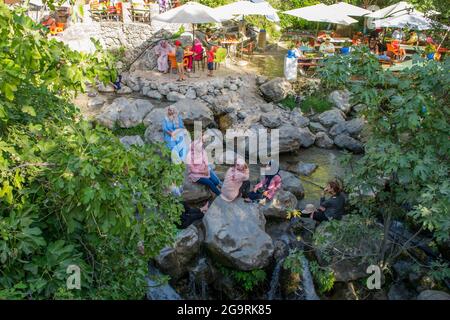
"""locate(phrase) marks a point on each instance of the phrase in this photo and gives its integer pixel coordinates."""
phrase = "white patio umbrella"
(349, 9)
(321, 13)
(412, 21)
(246, 8)
(394, 10)
(192, 12)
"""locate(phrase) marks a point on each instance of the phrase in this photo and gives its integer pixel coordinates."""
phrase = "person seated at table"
(162, 51)
(197, 49)
(321, 36)
(399, 51)
(331, 208)
(327, 48)
(174, 137)
(413, 38)
(190, 215)
(267, 187)
(376, 48)
(179, 57)
(199, 169)
(210, 38)
(235, 177)
(210, 59)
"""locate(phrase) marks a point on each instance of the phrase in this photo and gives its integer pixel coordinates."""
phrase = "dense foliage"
(406, 162)
(70, 193)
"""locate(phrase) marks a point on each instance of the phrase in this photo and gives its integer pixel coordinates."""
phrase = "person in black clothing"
(331, 208)
(190, 215)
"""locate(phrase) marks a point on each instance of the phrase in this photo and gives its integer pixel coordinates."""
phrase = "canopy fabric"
(271, 17)
(412, 21)
(397, 9)
(321, 13)
(246, 8)
(349, 9)
(191, 12)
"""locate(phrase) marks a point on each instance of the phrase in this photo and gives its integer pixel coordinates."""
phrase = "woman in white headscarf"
(162, 50)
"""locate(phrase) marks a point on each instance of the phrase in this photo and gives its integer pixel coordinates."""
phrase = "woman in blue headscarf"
(174, 133)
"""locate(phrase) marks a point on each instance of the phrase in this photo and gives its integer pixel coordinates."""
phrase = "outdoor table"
(140, 15)
(104, 15)
(229, 44)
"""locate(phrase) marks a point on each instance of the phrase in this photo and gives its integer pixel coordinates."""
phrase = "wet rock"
(228, 226)
(271, 120)
(281, 203)
(129, 141)
(292, 184)
(352, 127)
(331, 117)
(289, 138)
(346, 142)
(124, 112)
(306, 169)
(433, 295)
(323, 141)
(174, 260)
(276, 89)
(158, 290)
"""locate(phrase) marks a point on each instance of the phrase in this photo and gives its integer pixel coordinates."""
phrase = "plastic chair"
(248, 49)
(219, 56)
(172, 62)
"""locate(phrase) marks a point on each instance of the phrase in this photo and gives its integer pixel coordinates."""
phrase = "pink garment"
(274, 185)
(232, 183)
(197, 161)
(162, 50)
(197, 49)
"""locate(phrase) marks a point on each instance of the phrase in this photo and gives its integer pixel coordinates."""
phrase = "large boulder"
(292, 184)
(346, 142)
(290, 138)
(433, 295)
(153, 121)
(341, 100)
(194, 192)
(124, 112)
(298, 120)
(331, 117)
(281, 203)
(174, 260)
(235, 234)
(194, 110)
(175, 96)
(276, 89)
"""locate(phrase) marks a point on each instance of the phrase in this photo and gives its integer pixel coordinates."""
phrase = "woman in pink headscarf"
(199, 169)
(198, 50)
(162, 50)
(234, 178)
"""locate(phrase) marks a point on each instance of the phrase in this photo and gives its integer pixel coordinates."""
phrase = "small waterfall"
(275, 281)
(308, 285)
(158, 290)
